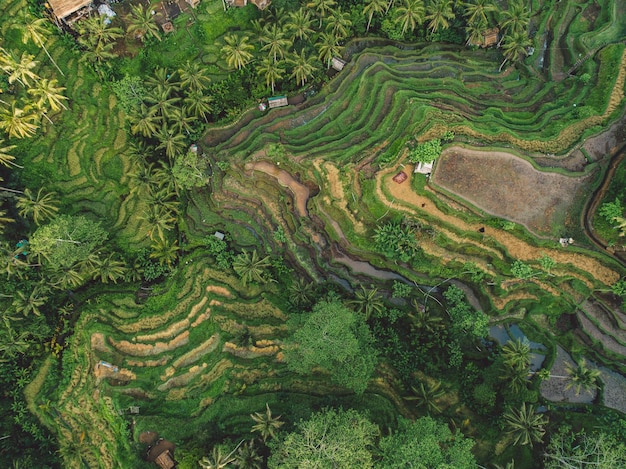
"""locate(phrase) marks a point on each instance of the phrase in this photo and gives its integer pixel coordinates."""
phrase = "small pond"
(502, 333)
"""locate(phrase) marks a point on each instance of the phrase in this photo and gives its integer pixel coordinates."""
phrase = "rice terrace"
(330, 234)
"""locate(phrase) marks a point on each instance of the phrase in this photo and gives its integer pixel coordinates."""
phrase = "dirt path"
(403, 198)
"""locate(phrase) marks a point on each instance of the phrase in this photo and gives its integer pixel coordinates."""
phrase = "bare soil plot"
(507, 186)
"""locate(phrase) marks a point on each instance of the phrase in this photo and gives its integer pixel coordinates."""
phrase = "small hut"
(337, 64)
(277, 101)
(400, 177)
(489, 37)
(162, 454)
(165, 460)
(424, 168)
(68, 11)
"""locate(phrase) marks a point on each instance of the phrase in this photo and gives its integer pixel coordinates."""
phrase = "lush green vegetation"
(257, 285)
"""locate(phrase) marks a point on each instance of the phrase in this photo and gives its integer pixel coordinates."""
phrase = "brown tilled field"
(507, 186)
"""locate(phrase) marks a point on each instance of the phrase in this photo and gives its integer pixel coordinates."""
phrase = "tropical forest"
(316, 234)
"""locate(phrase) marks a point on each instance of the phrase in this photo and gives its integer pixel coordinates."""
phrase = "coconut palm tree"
(193, 77)
(427, 396)
(36, 30)
(516, 378)
(374, 7)
(581, 377)
(145, 121)
(99, 56)
(41, 207)
(18, 122)
(474, 32)
(423, 321)
(180, 121)
(247, 457)
(198, 104)
(515, 47)
(250, 267)
(69, 277)
(162, 82)
(327, 47)
(368, 301)
(142, 179)
(301, 293)
(321, 8)
(141, 23)
(164, 251)
(159, 220)
(525, 424)
(12, 343)
(6, 159)
(96, 31)
(26, 304)
(109, 269)
(477, 12)
(516, 354)
(410, 14)
(171, 141)
(515, 18)
(238, 51)
(49, 93)
(303, 67)
(271, 70)
(265, 424)
(217, 460)
(439, 13)
(275, 42)
(300, 24)
(22, 70)
(338, 23)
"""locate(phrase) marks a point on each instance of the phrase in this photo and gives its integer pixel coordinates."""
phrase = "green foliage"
(428, 442)
(279, 235)
(337, 339)
(330, 438)
(396, 241)
(189, 170)
(485, 398)
(521, 270)
(584, 450)
(465, 319)
(130, 92)
(67, 240)
(611, 210)
(426, 152)
(218, 248)
(401, 289)
(619, 288)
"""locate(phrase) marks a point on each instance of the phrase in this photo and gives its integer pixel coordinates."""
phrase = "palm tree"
(159, 220)
(30, 304)
(338, 23)
(6, 159)
(515, 47)
(368, 301)
(22, 70)
(516, 354)
(96, 31)
(36, 30)
(276, 43)
(49, 93)
(171, 141)
(164, 251)
(427, 396)
(321, 7)
(69, 277)
(526, 426)
(327, 48)
(301, 293)
(265, 424)
(13, 344)
(198, 104)
(109, 268)
(516, 378)
(162, 102)
(271, 70)
(477, 12)
(180, 121)
(474, 32)
(141, 22)
(4, 220)
(237, 51)
(193, 77)
(582, 377)
(142, 179)
(217, 459)
(250, 267)
(18, 122)
(99, 56)
(374, 7)
(303, 67)
(162, 82)
(410, 14)
(439, 14)
(145, 121)
(44, 206)
(515, 18)
(423, 321)
(247, 457)
(299, 24)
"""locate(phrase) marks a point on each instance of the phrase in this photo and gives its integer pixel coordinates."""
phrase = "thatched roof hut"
(63, 9)
(277, 101)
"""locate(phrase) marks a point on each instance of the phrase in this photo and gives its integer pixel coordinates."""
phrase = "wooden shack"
(337, 64)
(68, 11)
(277, 101)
